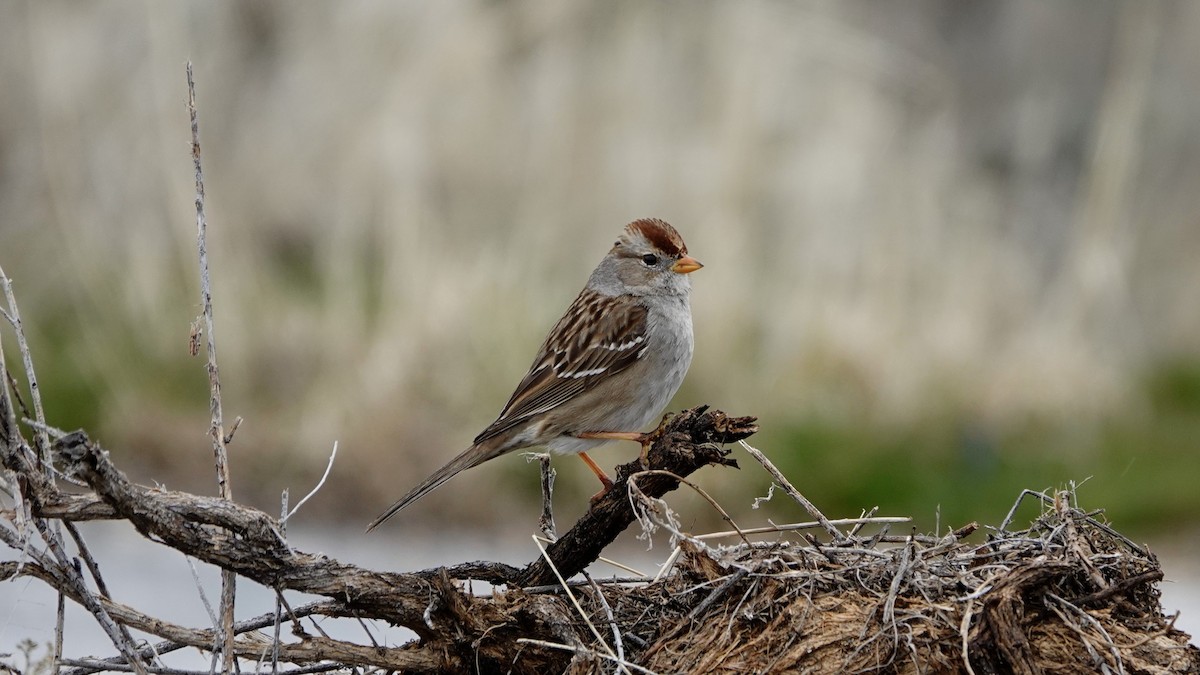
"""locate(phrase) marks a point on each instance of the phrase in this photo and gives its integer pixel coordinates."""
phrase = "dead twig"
(328, 467)
(546, 521)
(216, 428)
(787, 486)
(13, 315)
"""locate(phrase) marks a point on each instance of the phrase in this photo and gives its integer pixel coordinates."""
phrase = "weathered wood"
(455, 630)
(1068, 594)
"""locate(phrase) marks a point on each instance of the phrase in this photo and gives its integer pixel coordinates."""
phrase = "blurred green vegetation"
(1141, 467)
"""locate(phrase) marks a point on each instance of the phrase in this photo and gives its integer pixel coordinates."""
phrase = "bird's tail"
(472, 456)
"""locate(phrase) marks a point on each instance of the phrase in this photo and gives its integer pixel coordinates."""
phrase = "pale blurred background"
(952, 248)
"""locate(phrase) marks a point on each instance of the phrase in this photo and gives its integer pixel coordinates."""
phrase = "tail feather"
(472, 456)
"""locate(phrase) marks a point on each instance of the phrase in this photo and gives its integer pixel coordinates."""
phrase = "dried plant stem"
(789, 527)
(216, 429)
(546, 521)
(618, 644)
(574, 601)
(586, 652)
(316, 488)
(700, 491)
(8, 414)
(73, 584)
(60, 618)
(792, 491)
(94, 570)
(13, 314)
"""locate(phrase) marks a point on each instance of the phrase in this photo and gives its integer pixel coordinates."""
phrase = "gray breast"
(668, 356)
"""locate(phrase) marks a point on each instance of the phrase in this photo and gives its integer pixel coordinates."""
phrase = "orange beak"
(686, 265)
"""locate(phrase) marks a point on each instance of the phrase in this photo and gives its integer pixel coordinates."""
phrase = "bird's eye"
(650, 259)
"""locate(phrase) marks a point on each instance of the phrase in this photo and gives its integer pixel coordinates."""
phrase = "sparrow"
(607, 368)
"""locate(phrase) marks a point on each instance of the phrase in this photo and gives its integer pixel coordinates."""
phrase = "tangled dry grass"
(1067, 594)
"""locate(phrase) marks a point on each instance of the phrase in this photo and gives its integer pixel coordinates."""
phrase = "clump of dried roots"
(1067, 594)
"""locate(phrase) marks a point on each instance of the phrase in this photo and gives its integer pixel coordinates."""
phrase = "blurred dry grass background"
(951, 247)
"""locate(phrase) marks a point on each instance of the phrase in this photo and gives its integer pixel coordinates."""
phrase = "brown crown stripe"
(660, 234)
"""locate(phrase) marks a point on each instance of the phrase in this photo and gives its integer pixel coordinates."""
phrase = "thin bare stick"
(700, 491)
(237, 423)
(320, 483)
(1091, 621)
(73, 581)
(212, 616)
(790, 527)
(94, 570)
(787, 486)
(574, 600)
(668, 564)
(718, 593)
(863, 519)
(86, 554)
(216, 429)
(622, 566)
(546, 521)
(586, 652)
(21, 539)
(54, 432)
(275, 637)
(964, 631)
(59, 621)
(1012, 512)
(612, 620)
(14, 316)
(9, 433)
(283, 510)
(607, 561)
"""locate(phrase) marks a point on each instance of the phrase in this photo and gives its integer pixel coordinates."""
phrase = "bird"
(608, 366)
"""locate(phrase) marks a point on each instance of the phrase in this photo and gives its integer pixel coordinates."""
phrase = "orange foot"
(605, 481)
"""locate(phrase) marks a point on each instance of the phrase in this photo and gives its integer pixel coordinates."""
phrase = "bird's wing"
(576, 356)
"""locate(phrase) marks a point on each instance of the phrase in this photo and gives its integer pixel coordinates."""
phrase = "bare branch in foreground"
(456, 630)
(217, 427)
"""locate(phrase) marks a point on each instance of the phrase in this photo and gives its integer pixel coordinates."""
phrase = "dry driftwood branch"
(455, 628)
(1023, 601)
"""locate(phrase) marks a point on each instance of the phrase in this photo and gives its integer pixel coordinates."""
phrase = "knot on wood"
(701, 425)
(75, 452)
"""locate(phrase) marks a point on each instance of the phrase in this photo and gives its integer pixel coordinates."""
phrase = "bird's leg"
(636, 436)
(605, 481)
(645, 440)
